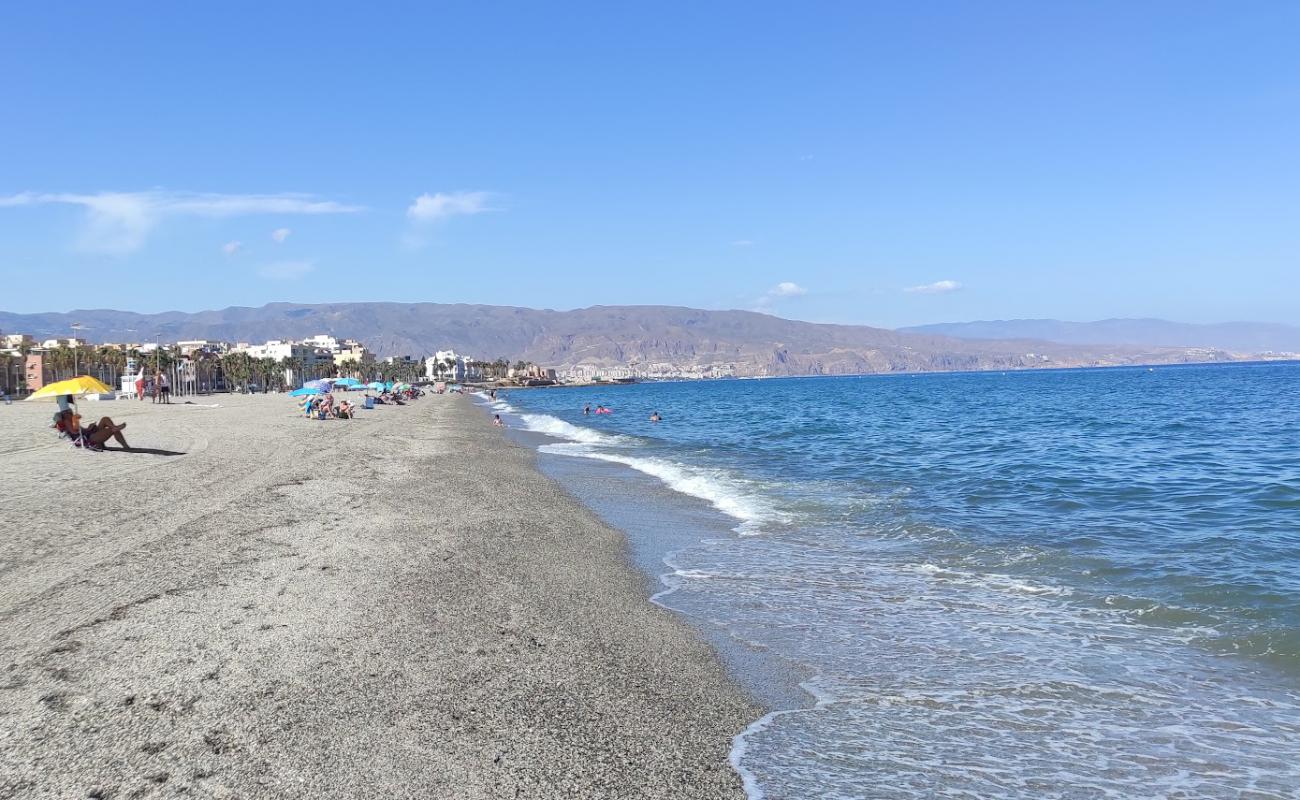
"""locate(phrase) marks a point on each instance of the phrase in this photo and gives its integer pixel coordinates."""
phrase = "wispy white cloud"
(230, 248)
(938, 287)
(286, 270)
(434, 207)
(783, 290)
(21, 199)
(120, 222)
(280, 234)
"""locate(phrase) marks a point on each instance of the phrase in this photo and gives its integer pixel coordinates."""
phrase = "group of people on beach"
(159, 387)
(324, 406)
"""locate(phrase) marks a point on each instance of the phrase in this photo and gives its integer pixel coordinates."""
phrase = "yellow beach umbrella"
(81, 385)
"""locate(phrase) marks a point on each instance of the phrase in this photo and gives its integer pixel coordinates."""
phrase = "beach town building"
(323, 341)
(189, 346)
(16, 341)
(352, 355)
(34, 365)
(312, 361)
(447, 365)
(532, 372)
(71, 341)
(277, 349)
(582, 373)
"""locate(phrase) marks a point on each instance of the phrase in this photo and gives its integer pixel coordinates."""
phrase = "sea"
(1039, 584)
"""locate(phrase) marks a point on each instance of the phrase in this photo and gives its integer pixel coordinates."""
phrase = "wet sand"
(398, 606)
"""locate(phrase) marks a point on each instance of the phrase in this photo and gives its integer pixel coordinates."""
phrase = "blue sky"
(817, 160)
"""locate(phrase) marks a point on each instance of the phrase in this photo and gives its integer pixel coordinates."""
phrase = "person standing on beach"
(157, 380)
(165, 388)
(139, 386)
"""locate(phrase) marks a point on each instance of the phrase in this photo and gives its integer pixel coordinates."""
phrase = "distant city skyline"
(864, 164)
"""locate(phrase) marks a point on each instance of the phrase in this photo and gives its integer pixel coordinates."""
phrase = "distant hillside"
(757, 344)
(1239, 337)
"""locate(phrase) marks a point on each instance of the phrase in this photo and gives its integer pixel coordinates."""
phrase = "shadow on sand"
(150, 451)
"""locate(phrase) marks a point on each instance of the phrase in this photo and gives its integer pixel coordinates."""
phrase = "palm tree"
(294, 366)
(238, 369)
(7, 362)
(112, 362)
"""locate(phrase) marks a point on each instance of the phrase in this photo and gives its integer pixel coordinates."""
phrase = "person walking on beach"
(139, 386)
(157, 381)
(165, 388)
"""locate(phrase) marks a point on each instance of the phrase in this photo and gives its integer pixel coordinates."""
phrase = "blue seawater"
(1073, 584)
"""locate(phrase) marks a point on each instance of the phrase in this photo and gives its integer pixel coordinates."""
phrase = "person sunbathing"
(97, 434)
(68, 422)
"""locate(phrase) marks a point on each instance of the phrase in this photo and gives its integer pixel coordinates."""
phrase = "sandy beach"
(397, 606)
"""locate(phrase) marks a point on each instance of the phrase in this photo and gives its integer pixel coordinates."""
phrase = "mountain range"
(1239, 337)
(606, 336)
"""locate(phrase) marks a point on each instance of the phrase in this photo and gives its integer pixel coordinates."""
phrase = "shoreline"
(400, 605)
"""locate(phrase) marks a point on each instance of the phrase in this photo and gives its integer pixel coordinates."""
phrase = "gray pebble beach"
(395, 606)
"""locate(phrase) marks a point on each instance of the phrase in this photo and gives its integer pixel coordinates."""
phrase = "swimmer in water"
(586, 410)
(654, 417)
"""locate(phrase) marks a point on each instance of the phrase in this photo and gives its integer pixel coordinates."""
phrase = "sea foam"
(725, 492)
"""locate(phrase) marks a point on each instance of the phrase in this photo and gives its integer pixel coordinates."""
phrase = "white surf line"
(740, 747)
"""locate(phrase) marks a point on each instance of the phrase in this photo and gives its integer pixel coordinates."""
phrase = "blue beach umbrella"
(306, 390)
(376, 385)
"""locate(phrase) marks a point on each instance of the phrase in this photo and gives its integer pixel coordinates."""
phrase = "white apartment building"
(435, 366)
(50, 344)
(191, 345)
(323, 341)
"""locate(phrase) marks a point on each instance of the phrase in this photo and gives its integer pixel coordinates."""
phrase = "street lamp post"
(76, 326)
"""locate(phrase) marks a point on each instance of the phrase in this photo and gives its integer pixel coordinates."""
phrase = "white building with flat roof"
(436, 366)
(324, 341)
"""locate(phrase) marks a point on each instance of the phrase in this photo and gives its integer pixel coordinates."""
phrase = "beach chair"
(76, 438)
